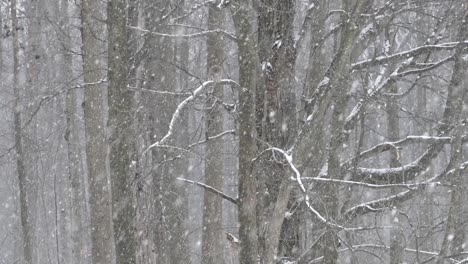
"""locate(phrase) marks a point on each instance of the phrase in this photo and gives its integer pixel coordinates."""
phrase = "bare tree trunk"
(213, 240)
(339, 76)
(18, 127)
(73, 145)
(454, 239)
(247, 145)
(96, 147)
(122, 155)
(393, 133)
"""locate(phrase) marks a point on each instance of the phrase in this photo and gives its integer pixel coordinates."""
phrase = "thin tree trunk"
(122, 156)
(212, 239)
(96, 147)
(393, 133)
(73, 145)
(26, 225)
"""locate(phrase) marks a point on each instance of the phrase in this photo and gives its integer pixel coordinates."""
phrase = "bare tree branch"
(235, 201)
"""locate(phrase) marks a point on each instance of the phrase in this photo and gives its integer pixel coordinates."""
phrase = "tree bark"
(212, 238)
(247, 145)
(23, 181)
(455, 233)
(122, 155)
(96, 147)
(73, 145)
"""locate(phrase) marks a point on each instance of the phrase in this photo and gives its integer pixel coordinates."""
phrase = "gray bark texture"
(75, 190)
(455, 232)
(23, 181)
(213, 234)
(122, 150)
(247, 145)
(96, 144)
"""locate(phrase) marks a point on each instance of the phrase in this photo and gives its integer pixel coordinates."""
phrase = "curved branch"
(182, 105)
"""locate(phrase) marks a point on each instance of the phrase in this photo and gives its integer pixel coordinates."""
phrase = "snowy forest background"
(233, 131)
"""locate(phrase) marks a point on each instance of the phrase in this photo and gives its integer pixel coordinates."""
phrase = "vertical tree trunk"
(122, 155)
(339, 75)
(96, 147)
(213, 240)
(247, 145)
(20, 167)
(455, 233)
(393, 133)
(73, 145)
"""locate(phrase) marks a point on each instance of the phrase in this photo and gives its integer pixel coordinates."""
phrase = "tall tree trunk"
(213, 240)
(339, 76)
(247, 145)
(73, 145)
(393, 133)
(122, 155)
(455, 232)
(96, 147)
(26, 225)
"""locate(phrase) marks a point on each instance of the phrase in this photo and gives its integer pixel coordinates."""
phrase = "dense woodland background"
(233, 131)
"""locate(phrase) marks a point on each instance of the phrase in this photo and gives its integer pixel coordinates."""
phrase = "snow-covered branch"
(298, 179)
(363, 184)
(228, 132)
(384, 247)
(386, 146)
(181, 106)
(382, 203)
(406, 54)
(188, 36)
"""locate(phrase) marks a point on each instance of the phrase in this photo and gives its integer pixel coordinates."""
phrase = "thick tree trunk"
(455, 233)
(247, 145)
(169, 197)
(213, 239)
(122, 155)
(96, 147)
(26, 225)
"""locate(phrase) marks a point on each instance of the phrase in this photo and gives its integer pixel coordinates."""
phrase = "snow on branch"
(407, 54)
(363, 184)
(353, 116)
(297, 178)
(423, 68)
(46, 98)
(382, 203)
(211, 189)
(228, 132)
(181, 106)
(399, 174)
(188, 36)
(386, 146)
(384, 247)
